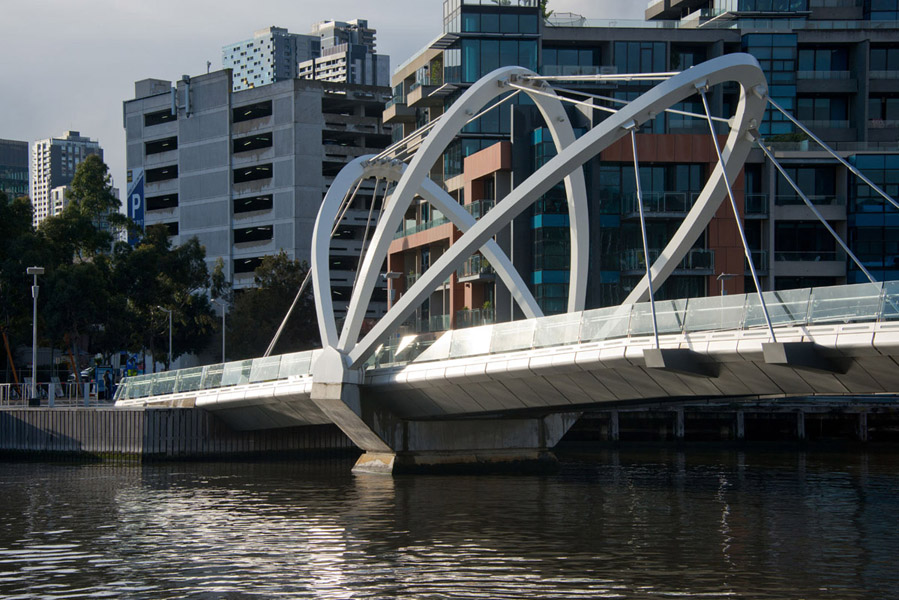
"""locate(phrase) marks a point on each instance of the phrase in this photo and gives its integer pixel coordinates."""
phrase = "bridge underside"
(517, 405)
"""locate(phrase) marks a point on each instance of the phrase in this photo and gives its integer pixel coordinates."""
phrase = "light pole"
(223, 305)
(169, 365)
(724, 277)
(35, 271)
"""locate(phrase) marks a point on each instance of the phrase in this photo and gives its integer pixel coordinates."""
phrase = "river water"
(651, 522)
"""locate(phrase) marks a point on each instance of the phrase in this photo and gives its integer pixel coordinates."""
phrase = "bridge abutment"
(395, 445)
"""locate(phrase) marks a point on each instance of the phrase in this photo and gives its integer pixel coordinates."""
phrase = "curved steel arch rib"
(450, 124)
(741, 68)
(392, 171)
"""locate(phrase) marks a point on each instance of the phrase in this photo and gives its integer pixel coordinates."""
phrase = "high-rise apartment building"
(245, 172)
(832, 63)
(348, 53)
(335, 51)
(271, 55)
(14, 168)
(53, 164)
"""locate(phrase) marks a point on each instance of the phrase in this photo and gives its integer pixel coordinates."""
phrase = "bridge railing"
(808, 306)
(256, 370)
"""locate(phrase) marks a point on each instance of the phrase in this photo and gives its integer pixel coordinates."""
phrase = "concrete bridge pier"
(394, 445)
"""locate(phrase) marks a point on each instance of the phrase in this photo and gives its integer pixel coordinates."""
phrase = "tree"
(543, 8)
(156, 276)
(20, 247)
(257, 313)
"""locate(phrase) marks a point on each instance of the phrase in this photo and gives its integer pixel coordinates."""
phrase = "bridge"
(508, 392)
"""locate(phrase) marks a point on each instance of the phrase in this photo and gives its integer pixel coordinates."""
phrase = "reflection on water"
(632, 524)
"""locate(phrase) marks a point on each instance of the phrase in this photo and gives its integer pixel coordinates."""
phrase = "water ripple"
(651, 524)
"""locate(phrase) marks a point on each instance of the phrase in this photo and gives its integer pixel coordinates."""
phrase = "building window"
(247, 265)
(162, 174)
(252, 142)
(823, 59)
(158, 146)
(162, 202)
(253, 204)
(157, 118)
(251, 111)
(253, 234)
(253, 173)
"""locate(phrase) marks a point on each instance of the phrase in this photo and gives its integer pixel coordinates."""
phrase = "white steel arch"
(391, 170)
(740, 68)
(449, 125)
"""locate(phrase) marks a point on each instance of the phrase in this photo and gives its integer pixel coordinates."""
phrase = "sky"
(69, 64)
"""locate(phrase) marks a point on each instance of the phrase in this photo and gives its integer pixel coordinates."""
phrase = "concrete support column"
(800, 425)
(863, 426)
(679, 424)
(740, 427)
(613, 426)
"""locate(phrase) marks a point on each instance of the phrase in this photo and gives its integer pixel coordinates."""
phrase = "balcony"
(807, 255)
(830, 82)
(698, 261)
(795, 200)
(759, 261)
(396, 112)
(410, 227)
(479, 208)
(476, 268)
(755, 206)
(474, 317)
(658, 204)
(420, 96)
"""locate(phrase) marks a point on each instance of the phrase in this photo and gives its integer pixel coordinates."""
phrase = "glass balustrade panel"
(846, 304)
(512, 336)
(470, 342)
(605, 323)
(237, 373)
(715, 313)
(557, 330)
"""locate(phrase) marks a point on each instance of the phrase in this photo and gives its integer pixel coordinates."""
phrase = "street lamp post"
(724, 277)
(223, 305)
(169, 365)
(35, 271)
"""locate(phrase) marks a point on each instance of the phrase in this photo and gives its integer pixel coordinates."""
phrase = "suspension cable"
(672, 111)
(652, 304)
(347, 202)
(733, 204)
(833, 153)
(608, 77)
(816, 212)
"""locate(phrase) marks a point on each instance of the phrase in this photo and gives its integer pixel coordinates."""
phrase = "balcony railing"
(474, 266)
(474, 317)
(439, 323)
(884, 74)
(827, 124)
(696, 259)
(659, 202)
(479, 208)
(794, 200)
(755, 204)
(830, 75)
(883, 123)
(759, 260)
(807, 255)
(410, 228)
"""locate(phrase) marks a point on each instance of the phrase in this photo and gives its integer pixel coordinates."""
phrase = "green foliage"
(257, 313)
(543, 8)
(99, 294)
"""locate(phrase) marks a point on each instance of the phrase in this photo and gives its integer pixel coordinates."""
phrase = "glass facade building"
(831, 63)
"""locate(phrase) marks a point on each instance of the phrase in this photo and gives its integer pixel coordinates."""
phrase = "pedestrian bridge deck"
(574, 360)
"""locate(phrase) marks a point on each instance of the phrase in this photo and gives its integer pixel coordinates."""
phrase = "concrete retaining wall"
(152, 433)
